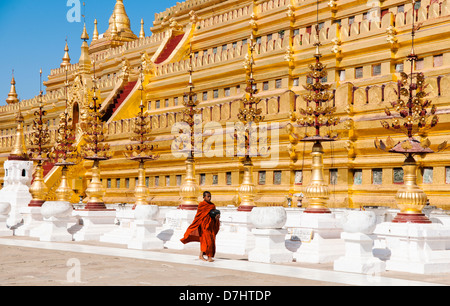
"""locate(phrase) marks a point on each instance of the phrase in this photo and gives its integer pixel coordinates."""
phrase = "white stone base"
(174, 227)
(4, 230)
(95, 224)
(235, 235)
(32, 219)
(16, 190)
(270, 246)
(55, 230)
(358, 255)
(323, 244)
(416, 248)
(145, 237)
(123, 233)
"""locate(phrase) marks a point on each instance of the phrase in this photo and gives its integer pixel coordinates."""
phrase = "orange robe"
(203, 229)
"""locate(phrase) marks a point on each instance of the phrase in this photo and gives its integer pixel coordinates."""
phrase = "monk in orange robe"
(204, 228)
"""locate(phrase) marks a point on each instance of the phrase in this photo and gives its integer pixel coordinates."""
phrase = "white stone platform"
(235, 235)
(32, 220)
(123, 232)
(175, 224)
(94, 224)
(416, 248)
(319, 239)
(358, 256)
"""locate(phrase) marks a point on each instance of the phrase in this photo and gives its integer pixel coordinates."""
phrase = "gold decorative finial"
(66, 58)
(19, 151)
(12, 96)
(95, 35)
(85, 35)
(142, 33)
(114, 26)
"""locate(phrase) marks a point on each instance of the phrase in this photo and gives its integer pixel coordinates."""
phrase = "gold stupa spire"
(95, 35)
(85, 59)
(19, 150)
(142, 33)
(85, 35)
(119, 19)
(114, 26)
(66, 58)
(12, 96)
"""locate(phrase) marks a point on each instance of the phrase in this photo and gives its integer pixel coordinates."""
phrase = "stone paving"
(29, 262)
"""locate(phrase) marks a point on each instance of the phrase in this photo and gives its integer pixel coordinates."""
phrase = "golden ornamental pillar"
(189, 190)
(416, 115)
(64, 192)
(95, 150)
(249, 114)
(38, 188)
(247, 189)
(317, 191)
(317, 114)
(39, 140)
(410, 198)
(142, 151)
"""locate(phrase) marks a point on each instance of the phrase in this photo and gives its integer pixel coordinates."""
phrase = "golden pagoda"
(364, 49)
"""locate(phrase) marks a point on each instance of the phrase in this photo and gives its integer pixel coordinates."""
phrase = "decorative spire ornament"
(142, 33)
(19, 150)
(66, 58)
(40, 139)
(415, 116)
(317, 114)
(95, 35)
(64, 153)
(12, 95)
(95, 149)
(189, 189)
(142, 151)
(249, 115)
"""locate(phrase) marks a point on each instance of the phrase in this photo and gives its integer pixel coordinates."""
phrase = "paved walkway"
(27, 261)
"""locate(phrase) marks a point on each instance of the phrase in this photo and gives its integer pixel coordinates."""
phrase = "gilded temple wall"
(363, 56)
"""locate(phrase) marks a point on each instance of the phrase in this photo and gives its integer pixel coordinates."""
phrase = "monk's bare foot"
(201, 257)
(210, 259)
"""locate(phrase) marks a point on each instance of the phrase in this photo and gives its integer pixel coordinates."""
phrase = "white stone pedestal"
(55, 230)
(358, 256)
(324, 244)
(5, 208)
(32, 219)
(145, 223)
(145, 237)
(16, 190)
(56, 216)
(235, 235)
(95, 224)
(174, 227)
(122, 233)
(416, 248)
(270, 246)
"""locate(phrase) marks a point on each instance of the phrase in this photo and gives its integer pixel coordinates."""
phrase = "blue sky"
(33, 36)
